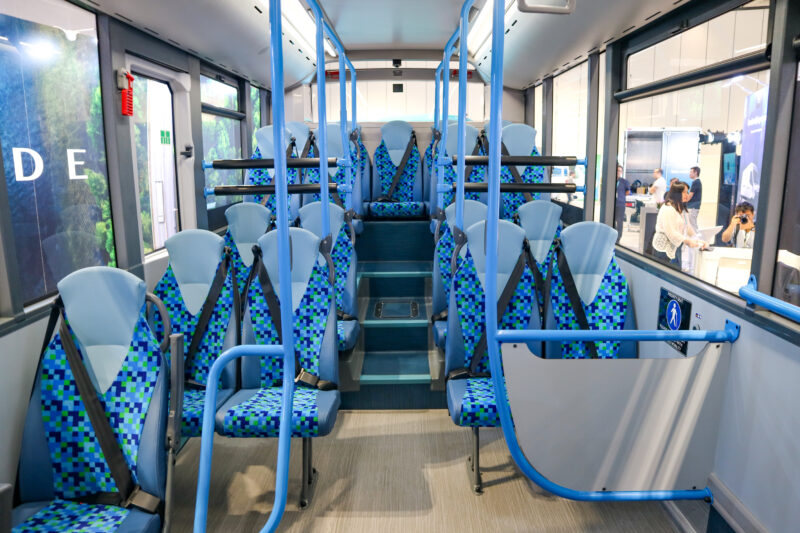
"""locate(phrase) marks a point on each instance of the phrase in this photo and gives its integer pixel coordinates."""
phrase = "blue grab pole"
(348, 163)
(445, 71)
(207, 437)
(462, 111)
(493, 336)
(753, 296)
(437, 82)
(323, 119)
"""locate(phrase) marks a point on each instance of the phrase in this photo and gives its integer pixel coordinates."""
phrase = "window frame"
(780, 27)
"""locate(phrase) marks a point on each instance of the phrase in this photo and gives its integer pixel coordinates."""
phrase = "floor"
(393, 471)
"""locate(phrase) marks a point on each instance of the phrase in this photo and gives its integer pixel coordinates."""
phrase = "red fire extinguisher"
(127, 95)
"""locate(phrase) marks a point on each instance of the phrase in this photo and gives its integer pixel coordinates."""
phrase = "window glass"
(255, 99)
(51, 129)
(218, 94)
(570, 103)
(154, 141)
(222, 139)
(718, 128)
(787, 270)
(736, 33)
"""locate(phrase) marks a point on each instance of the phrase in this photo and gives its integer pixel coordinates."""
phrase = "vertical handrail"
(322, 122)
(462, 111)
(445, 68)
(437, 199)
(437, 77)
(348, 161)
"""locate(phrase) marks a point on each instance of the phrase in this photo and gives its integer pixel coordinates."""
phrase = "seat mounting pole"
(444, 70)
(462, 111)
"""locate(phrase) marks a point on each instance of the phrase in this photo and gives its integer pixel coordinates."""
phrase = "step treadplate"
(396, 309)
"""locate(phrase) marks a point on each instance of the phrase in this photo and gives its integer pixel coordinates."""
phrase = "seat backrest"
(60, 455)
(300, 131)
(540, 220)
(266, 146)
(194, 255)
(588, 249)
(312, 306)
(474, 211)
(470, 139)
(520, 139)
(395, 135)
(311, 218)
(247, 221)
(509, 246)
(334, 143)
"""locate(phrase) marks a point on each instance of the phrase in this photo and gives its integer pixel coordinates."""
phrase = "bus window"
(51, 131)
(222, 135)
(570, 120)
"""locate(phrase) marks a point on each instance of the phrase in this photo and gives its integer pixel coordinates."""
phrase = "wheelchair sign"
(674, 313)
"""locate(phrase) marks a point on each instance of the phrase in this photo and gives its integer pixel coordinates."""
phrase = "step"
(395, 269)
(395, 312)
(389, 240)
(407, 396)
(395, 368)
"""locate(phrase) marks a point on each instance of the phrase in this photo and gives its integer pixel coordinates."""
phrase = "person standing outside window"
(659, 186)
(695, 196)
(619, 208)
(741, 232)
(673, 229)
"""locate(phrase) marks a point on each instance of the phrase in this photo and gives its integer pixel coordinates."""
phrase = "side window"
(51, 130)
(255, 100)
(222, 135)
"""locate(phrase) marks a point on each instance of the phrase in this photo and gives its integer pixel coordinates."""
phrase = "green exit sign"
(165, 137)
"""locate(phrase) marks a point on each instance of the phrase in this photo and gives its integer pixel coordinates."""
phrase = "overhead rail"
(753, 296)
(572, 372)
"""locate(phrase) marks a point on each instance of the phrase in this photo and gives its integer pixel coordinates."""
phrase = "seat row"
(548, 277)
(399, 183)
(216, 292)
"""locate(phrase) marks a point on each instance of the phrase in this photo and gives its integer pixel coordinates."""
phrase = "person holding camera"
(741, 232)
(673, 229)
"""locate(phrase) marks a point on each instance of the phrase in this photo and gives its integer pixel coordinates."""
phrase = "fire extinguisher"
(125, 84)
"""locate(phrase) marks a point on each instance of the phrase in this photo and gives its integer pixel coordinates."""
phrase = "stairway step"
(395, 269)
(387, 240)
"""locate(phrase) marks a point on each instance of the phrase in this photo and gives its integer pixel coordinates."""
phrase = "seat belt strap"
(439, 217)
(575, 300)
(401, 168)
(542, 285)
(289, 153)
(502, 303)
(475, 151)
(130, 494)
(205, 314)
(349, 216)
(460, 238)
(515, 173)
(307, 146)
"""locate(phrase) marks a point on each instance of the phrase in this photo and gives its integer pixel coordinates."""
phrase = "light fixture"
(481, 29)
(300, 24)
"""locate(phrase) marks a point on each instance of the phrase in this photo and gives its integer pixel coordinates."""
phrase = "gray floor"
(392, 471)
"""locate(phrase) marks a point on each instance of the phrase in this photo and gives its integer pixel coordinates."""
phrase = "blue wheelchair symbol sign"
(673, 315)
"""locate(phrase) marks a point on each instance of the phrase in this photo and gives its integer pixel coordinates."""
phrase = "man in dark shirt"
(695, 196)
(619, 211)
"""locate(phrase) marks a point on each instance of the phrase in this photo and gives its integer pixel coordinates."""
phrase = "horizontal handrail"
(237, 190)
(539, 160)
(209, 412)
(753, 296)
(292, 162)
(549, 188)
(729, 334)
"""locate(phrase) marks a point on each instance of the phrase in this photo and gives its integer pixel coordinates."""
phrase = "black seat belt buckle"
(306, 378)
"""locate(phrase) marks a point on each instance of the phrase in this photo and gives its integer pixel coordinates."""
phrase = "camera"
(743, 218)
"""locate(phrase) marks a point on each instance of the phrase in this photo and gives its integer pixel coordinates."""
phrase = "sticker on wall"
(674, 313)
(165, 137)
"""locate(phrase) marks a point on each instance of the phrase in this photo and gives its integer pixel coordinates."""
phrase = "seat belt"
(302, 376)
(475, 151)
(130, 494)
(515, 173)
(205, 316)
(480, 348)
(401, 168)
(289, 152)
(575, 300)
(542, 284)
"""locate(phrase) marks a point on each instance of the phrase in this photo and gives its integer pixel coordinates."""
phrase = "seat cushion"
(193, 402)
(348, 334)
(257, 413)
(440, 333)
(471, 402)
(396, 209)
(61, 515)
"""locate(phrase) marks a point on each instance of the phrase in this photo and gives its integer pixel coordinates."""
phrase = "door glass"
(155, 161)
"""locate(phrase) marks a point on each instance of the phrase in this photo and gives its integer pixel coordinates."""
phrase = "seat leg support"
(309, 476)
(475, 462)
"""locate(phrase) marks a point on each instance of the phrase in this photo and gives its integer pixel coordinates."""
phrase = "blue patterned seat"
(345, 263)
(264, 176)
(588, 249)
(362, 169)
(61, 458)
(247, 222)
(335, 175)
(471, 400)
(519, 139)
(406, 200)
(194, 259)
(473, 145)
(442, 271)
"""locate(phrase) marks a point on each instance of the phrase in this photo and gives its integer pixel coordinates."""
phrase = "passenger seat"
(397, 185)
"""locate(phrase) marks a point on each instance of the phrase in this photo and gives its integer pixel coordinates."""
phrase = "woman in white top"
(673, 228)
